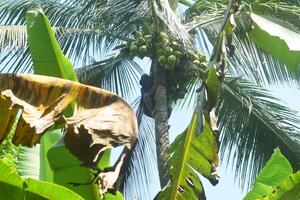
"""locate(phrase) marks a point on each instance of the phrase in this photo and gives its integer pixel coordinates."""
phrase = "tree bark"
(161, 123)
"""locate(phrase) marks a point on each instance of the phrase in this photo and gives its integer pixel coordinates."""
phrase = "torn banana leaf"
(274, 172)
(101, 120)
(288, 189)
(191, 154)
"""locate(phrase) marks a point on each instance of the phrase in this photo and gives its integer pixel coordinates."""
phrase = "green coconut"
(168, 51)
(148, 37)
(178, 54)
(159, 52)
(162, 60)
(141, 41)
(133, 48)
(171, 59)
(175, 45)
(196, 62)
(143, 50)
(163, 35)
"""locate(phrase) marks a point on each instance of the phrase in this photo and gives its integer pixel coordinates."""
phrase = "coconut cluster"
(171, 57)
(168, 52)
(140, 46)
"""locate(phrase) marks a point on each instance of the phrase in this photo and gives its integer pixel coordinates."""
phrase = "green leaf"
(48, 59)
(289, 189)
(12, 186)
(274, 172)
(191, 154)
(280, 42)
(213, 88)
(45, 50)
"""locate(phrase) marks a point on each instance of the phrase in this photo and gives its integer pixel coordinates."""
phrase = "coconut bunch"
(179, 64)
(140, 46)
(168, 51)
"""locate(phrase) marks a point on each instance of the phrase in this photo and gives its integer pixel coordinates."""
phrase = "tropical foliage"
(276, 180)
(238, 39)
(18, 188)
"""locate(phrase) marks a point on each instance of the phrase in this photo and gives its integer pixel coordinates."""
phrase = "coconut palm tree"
(251, 121)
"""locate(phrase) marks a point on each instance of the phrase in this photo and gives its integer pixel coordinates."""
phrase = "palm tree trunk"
(161, 123)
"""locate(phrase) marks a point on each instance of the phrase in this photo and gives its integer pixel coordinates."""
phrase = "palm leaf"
(163, 10)
(81, 40)
(262, 68)
(141, 180)
(253, 122)
(121, 17)
(117, 74)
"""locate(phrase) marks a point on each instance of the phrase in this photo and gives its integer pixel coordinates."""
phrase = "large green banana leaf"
(276, 181)
(48, 59)
(192, 153)
(13, 187)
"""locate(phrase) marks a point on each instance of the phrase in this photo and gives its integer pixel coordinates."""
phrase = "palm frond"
(81, 45)
(164, 11)
(142, 180)
(117, 74)
(59, 13)
(13, 36)
(286, 13)
(248, 60)
(121, 17)
(80, 40)
(206, 10)
(253, 122)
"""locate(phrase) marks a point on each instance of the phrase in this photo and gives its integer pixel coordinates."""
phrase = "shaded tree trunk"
(161, 123)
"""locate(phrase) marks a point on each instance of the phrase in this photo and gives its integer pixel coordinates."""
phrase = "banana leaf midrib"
(186, 148)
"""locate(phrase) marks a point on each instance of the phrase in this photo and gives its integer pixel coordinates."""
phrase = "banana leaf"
(268, 35)
(48, 59)
(192, 153)
(101, 120)
(277, 170)
(14, 187)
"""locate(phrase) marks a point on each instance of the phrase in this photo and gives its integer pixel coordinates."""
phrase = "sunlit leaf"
(213, 88)
(268, 35)
(12, 186)
(45, 50)
(191, 155)
(289, 189)
(274, 172)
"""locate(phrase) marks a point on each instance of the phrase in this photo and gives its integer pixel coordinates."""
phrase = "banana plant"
(48, 59)
(102, 120)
